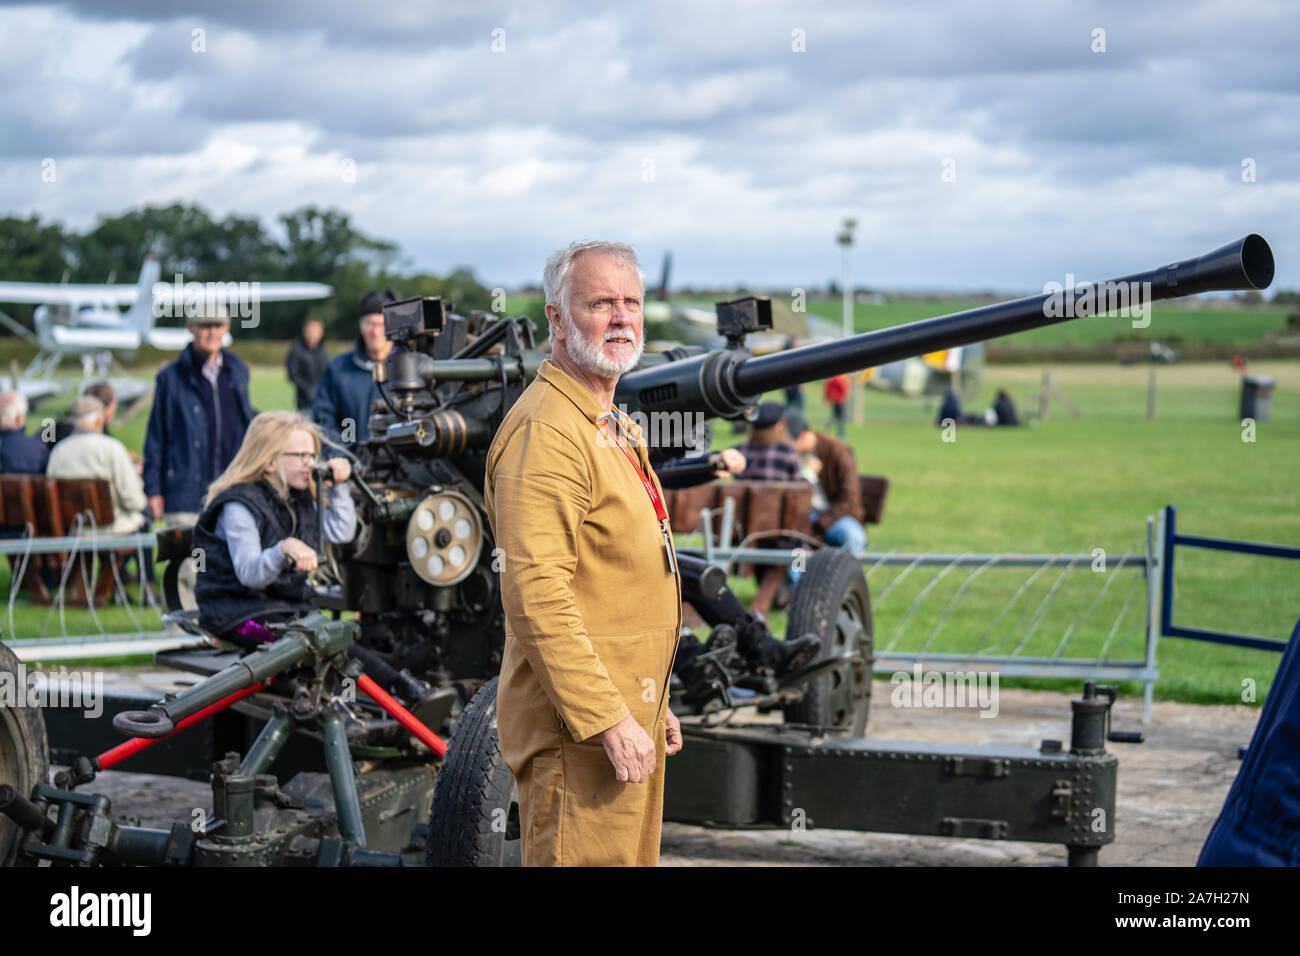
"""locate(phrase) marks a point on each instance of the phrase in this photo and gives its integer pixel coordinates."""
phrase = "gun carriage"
(424, 643)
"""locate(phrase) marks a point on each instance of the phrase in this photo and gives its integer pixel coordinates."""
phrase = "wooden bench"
(49, 508)
(762, 506)
(873, 489)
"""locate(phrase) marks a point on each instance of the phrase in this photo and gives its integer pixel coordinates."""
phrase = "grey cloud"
(1038, 124)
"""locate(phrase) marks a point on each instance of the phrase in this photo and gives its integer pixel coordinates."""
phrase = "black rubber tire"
(832, 603)
(474, 819)
(24, 755)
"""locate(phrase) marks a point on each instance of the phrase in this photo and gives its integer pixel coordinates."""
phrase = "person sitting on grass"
(1004, 409)
(257, 530)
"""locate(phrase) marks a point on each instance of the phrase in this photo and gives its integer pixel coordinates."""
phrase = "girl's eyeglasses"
(302, 456)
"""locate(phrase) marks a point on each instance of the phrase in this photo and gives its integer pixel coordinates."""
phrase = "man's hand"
(630, 749)
(156, 506)
(303, 557)
(672, 733)
(340, 470)
(727, 462)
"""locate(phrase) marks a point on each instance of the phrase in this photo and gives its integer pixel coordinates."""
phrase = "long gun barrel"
(722, 383)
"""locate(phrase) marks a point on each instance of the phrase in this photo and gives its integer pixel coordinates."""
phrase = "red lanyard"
(650, 489)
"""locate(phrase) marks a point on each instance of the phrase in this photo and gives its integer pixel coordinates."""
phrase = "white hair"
(13, 409)
(555, 277)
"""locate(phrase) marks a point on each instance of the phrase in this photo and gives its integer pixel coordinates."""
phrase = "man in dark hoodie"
(200, 413)
(342, 404)
(306, 362)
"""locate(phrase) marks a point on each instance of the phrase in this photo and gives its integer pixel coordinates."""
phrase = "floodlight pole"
(845, 239)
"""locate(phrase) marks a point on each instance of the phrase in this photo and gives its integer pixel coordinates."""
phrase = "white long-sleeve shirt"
(255, 566)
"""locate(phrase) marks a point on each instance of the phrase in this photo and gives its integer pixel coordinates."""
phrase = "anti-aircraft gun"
(420, 576)
(421, 571)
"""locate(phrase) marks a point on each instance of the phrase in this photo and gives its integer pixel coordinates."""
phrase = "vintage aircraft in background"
(695, 324)
(932, 374)
(87, 321)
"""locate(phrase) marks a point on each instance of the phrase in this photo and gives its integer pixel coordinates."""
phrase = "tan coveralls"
(593, 616)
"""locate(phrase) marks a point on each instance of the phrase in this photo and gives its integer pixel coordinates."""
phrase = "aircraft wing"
(62, 293)
(233, 293)
(130, 389)
(294, 291)
(83, 338)
(168, 339)
(34, 390)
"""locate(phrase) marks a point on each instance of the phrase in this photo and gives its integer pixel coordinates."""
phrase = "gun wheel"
(24, 753)
(474, 819)
(832, 603)
(178, 585)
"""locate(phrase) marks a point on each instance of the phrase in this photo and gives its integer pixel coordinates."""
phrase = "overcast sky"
(989, 145)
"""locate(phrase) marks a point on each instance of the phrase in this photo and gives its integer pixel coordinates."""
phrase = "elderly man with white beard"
(589, 582)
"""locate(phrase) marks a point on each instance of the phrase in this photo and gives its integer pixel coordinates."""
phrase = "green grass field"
(1065, 485)
(1074, 485)
(1170, 322)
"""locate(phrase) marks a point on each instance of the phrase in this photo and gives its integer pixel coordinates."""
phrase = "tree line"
(311, 245)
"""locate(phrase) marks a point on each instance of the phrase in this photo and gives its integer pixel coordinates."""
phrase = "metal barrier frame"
(104, 644)
(1171, 539)
(1149, 563)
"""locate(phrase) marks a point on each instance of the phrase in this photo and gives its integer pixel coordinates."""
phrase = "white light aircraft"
(88, 321)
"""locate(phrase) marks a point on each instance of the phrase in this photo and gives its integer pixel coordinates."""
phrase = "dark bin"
(1256, 397)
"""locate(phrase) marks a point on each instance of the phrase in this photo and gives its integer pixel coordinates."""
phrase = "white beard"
(589, 355)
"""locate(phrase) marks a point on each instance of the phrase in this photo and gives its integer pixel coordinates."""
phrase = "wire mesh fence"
(1085, 615)
(93, 610)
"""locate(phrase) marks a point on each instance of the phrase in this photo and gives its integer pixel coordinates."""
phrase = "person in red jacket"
(837, 397)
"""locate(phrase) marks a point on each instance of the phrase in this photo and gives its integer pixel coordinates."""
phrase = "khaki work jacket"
(593, 612)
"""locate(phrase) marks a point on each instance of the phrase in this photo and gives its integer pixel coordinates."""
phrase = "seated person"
(951, 409)
(89, 453)
(258, 529)
(105, 392)
(20, 453)
(838, 521)
(769, 456)
(1004, 409)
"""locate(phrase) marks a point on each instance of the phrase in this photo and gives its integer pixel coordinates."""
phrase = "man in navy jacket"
(342, 403)
(200, 413)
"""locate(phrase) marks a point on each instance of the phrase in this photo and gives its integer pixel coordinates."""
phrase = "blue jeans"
(846, 533)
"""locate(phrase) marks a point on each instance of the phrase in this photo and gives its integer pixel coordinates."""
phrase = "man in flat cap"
(589, 582)
(200, 413)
